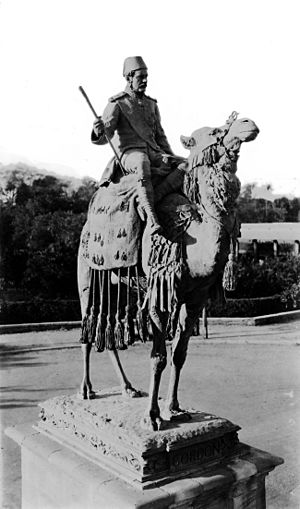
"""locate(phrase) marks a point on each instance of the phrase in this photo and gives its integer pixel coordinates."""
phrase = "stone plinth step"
(107, 431)
(54, 476)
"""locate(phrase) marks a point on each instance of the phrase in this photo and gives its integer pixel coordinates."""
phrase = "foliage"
(52, 254)
(267, 286)
(291, 295)
(262, 210)
(41, 221)
(39, 310)
(263, 278)
(247, 307)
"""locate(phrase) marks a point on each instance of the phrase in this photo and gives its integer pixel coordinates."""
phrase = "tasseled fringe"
(101, 322)
(172, 322)
(109, 335)
(92, 324)
(84, 336)
(229, 280)
(210, 155)
(141, 320)
(128, 325)
(141, 325)
(89, 322)
(119, 335)
(153, 290)
(119, 332)
(189, 185)
(170, 287)
(167, 263)
(112, 332)
(128, 332)
(161, 296)
(100, 333)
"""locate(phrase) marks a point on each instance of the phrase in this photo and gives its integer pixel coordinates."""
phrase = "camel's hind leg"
(126, 387)
(83, 281)
(189, 313)
(86, 391)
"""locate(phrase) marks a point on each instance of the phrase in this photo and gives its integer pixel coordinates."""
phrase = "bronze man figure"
(132, 120)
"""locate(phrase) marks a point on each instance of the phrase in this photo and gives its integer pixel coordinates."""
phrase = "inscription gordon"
(201, 453)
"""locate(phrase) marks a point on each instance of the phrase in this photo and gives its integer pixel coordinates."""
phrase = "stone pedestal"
(93, 454)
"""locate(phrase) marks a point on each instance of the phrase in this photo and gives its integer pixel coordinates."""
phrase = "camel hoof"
(176, 415)
(130, 392)
(159, 423)
(86, 393)
(149, 424)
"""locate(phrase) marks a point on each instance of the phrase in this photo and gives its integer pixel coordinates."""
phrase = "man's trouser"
(138, 162)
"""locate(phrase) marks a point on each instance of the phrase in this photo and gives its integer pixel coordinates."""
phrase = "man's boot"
(146, 199)
(173, 182)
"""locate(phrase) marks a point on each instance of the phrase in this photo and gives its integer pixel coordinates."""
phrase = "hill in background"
(28, 173)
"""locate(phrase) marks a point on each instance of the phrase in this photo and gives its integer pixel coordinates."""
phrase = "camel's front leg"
(152, 420)
(126, 387)
(187, 318)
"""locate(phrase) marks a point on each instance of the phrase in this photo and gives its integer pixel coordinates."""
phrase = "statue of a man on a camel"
(135, 277)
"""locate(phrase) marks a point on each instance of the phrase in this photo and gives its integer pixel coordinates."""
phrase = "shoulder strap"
(116, 97)
(151, 98)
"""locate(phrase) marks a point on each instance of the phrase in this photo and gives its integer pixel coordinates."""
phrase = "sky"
(205, 59)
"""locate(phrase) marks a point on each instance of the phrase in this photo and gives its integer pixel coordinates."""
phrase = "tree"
(263, 210)
(271, 276)
(52, 254)
(40, 232)
(294, 211)
(81, 197)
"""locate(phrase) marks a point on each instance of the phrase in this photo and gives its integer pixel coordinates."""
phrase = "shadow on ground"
(15, 357)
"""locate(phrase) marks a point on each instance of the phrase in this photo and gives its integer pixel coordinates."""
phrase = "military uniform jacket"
(133, 123)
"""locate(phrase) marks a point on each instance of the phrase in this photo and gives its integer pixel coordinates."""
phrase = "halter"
(220, 135)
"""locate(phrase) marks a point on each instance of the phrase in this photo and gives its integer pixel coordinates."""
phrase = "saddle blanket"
(112, 234)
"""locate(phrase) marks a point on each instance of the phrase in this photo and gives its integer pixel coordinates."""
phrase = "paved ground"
(249, 375)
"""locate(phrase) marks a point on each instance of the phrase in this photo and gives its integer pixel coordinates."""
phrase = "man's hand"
(98, 126)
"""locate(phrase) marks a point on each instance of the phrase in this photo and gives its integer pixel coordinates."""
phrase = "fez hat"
(133, 64)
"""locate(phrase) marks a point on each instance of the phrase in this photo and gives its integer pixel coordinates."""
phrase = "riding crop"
(106, 137)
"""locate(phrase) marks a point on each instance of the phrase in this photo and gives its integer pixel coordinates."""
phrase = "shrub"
(291, 295)
(266, 277)
(247, 307)
(39, 310)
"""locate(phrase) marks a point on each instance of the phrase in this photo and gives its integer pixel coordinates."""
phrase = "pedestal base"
(107, 431)
(94, 454)
(53, 476)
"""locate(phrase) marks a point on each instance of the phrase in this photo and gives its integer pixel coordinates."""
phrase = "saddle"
(113, 226)
(111, 242)
(114, 220)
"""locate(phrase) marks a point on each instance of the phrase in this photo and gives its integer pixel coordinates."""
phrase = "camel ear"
(188, 142)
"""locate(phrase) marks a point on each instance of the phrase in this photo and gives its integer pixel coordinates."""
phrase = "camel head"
(243, 129)
(214, 152)
(207, 145)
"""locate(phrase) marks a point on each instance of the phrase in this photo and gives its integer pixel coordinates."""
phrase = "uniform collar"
(133, 95)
